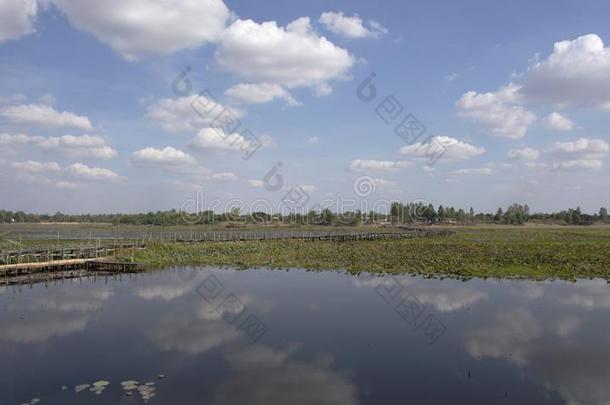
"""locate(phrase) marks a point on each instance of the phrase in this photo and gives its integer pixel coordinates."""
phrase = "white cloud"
(586, 148)
(314, 140)
(167, 157)
(381, 165)
(474, 171)
(69, 145)
(83, 145)
(586, 164)
(81, 171)
(176, 161)
(45, 116)
(256, 183)
(498, 340)
(451, 298)
(11, 140)
(290, 56)
(577, 73)
(497, 112)
(591, 295)
(299, 382)
(139, 27)
(260, 93)
(32, 166)
(187, 114)
(224, 176)
(350, 27)
(454, 149)
(17, 18)
(524, 153)
(210, 139)
(558, 122)
(50, 173)
(162, 292)
(583, 153)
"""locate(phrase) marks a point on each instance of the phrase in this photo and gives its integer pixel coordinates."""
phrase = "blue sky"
(516, 95)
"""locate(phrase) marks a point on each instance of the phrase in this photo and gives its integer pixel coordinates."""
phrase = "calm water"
(296, 337)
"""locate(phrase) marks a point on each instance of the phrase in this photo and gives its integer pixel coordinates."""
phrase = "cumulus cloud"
(497, 112)
(69, 145)
(168, 158)
(213, 139)
(452, 298)
(45, 116)
(314, 140)
(582, 153)
(259, 372)
(32, 166)
(350, 27)
(524, 153)
(247, 93)
(12, 140)
(176, 161)
(139, 27)
(558, 122)
(290, 56)
(510, 337)
(17, 18)
(187, 114)
(381, 165)
(577, 73)
(451, 149)
(80, 171)
(83, 145)
(51, 173)
(587, 148)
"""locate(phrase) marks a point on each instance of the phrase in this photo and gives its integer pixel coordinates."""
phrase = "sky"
(138, 105)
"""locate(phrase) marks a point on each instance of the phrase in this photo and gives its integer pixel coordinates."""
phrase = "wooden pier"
(111, 247)
(98, 264)
(61, 261)
(57, 253)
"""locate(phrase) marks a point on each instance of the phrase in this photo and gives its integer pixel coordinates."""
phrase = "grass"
(498, 252)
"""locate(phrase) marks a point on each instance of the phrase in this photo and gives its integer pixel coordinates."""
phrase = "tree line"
(410, 213)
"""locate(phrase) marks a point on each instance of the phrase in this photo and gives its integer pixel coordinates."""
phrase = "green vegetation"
(500, 252)
(399, 213)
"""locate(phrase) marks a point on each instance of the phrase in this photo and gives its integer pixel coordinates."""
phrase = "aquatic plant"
(537, 253)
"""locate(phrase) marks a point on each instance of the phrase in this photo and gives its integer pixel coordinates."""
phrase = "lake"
(219, 336)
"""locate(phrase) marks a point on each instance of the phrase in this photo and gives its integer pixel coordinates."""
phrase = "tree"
(603, 213)
(499, 215)
(441, 213)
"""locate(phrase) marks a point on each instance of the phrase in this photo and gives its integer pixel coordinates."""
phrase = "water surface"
(296, 337)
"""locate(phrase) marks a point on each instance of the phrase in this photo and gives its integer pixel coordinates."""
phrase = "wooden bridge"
(100, 257)
(67, 268)
(54, 253)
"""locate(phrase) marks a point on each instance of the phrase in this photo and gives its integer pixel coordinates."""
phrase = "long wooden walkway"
(96, 264)
(79, 254)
